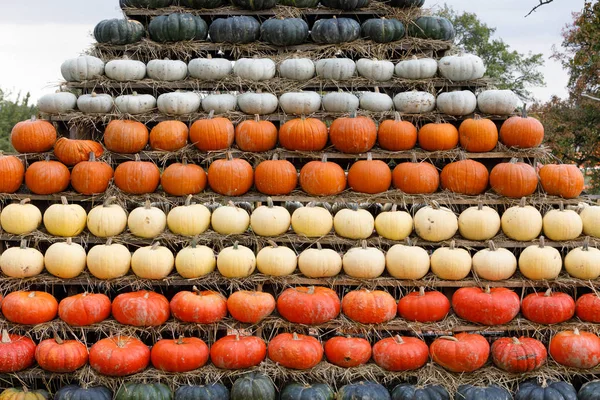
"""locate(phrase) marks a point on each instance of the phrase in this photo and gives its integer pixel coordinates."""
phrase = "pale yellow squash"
(364, 262)
(451, 263)
(20, 218)
(354, 223)
(590, 216)
(147, 222)
(583, 262)
(540, 262)
(152, 262)
(107, 220)
(407, 261)
(65, 219)
(522, 222)
(562, 224)
(479, 223)
(189, 219)
(65, 260)
(312, 221)
(435, 224)
(494, 264)
(319, 262)
(394, 224)
(195, 261)
(109, 261)
(276, 260)
(230, 220)
(270, 220)
(236, 261)
(21, 261)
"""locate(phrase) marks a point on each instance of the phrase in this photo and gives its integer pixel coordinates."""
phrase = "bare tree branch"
(542, 3)
(590, 97)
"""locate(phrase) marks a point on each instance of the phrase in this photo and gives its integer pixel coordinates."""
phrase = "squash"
(469, 392)
(154, 391)
(212, 133)
(369, 307)
(141, 308)
(562, 225)
(495, 306)
(407, 261)
(202, 392)
(199, 307)
(295, 351)
(152, 262)
(382, 30)
(416, 177)
(319, 262)
(255, 5)
(219, 103)
(58, 355)
(107, 220)
(497, 102)
(590, 216)
(300, 103)
(478, 135)
(414, 102)
(73, 151)
(298, 69)
(522, 222)
(95, 103)
(33, 136)
(183, 179)
(119, 356)
(91, 176)
(461, 67)
(438, 136)
(313, 305)
(47, 177)
(137, 177)
(335, 30)
(312, 221)
(354, 223)
(84, 309)
(135, 103)
(270, 220)
(539, 262)
(237, 29)
(236, 261)
(531, 390)
(20, 218)
(199, 4)
(315, 391)
(72, 392)
(147, 222)
(479, 223)
(322, 178)
(451, 263)
(276, 260)
(189, 219)
(369, 176)
(400, 353)
(65, 260)
(167, 70)
(457, 103)
(341, 102)
(436, 28)
(587, 308)
(12, 173)
(513, 179)
(562, 180)
(347, 351)
(177, 27)
(195, 261)
(346, 5)
(518, 355)
(494, 264)
(109, 261)
(18, 353)
(548, 308)
(284, 31)
(308, 134)
(406, 391)
(238, 352)
(125, 70)
(21, 261)
(254, 69)
(363, 390)
(124, 136)
(230, 220)
(375, 70)
(29, 307)
(257, 103)
(407, 4)
(435, 224)
(82, 68)
(394, 224)
(575, 349)
(250, 307)
(210, 69)
(463, 352)
(24, 394)
(467, 177)
(375, 101)
(65, 219)
(57, 103)
(119, 31)
(588, 391)
(422, 306)
(581, 262)
(254, 135)
(253, 386)
(416, 68)
(364, 262)
(522, 131)
(178, 103)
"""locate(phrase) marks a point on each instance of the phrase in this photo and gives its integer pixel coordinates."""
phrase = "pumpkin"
(202, 392)
(345, 4)
(587, 308)
(416, 177)
(295, 351)
(20, 218)
(137, 177)
(513, 179)
(177, 27)
(147, 221)
(497, 102)
(408, 4)
(363, 390)
(298, 69)
(200, 307)
(284, 31)
(316, 391)
(335, 30)
(436, 28)
(72, 151)
(375, 101)
(322, 178)
(369, 307)
(141, 308)
(341, 102)
(65, 219)
(590, 215)
(47, 177)
(495, 306)
(575, 349)
(257, 103)
(588, 391)
(92, 176)
(382, 30)
(24, 394)
(353, 134)
(531, 390)
(438, 136)
(182, 179)
(12, 173)
(463, 352)
(217, 103)
(414, 102)
(254, 69)
(95, 103)
(124, 136)
(548, 308)
(238, 352)
(255, 5)
(135, 103)
(494, 264)
(210, 69)
(84, 309)
(369, 176)
(109, 261)
(236, 261)
(540, 262)
(107, 219)
(354, 223)
(319, 262)
(270, 220)
(230, 220)
(312, 305)
(581, 262)
(133, 391)
(178, 103)
(179, 355)
(479, 223)
(82, 68)
(167, 70)
(522, 131)
(478, 135)
(465, 177)
(275, 177)
(435, 224)
(376, 70)
(199, 4)
(400, 353)
(300, 103)
(348, 351)
(562, 180)
(458, 102)
(152, 262)
(394, 224)
(195, 261)
(17, 353)
(189, 219)
(230, 176)
(364, 262)
(256, 135)
(451, 263)
(57, 355)
(29, 308)
(276, 260)
(118, 31)
(74, 392)
(462, 67)
(416, 68)
(65, 259)
(407, 261)
(21, 261)
(250, 307)
(396, 134)
(422, 306)
(237, 29)
(518, 355)
(522, 222)
(304, 134)
(469, 392)
(57, 103)
(253, 386)
(125, 70)
(169, 136)
(562, 225)
(405, 391)
(212, 133)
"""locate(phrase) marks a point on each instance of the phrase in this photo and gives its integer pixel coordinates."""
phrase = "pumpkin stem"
(476, 117)
(491, 245)
(452, 338)
(524, 111)
(137, 158)
(561, 206)
(319, 246)
(108, 241)
(188, 200)
(147, 204)
(57, 338)
(179, 340)
(269, 202)
(47, 159)
(376, 89)
(194, 242)
(413, 157)
(155, 245)
(272, 243)
(398, 339)
(487, 289)
(548, 293)
(256, 118)
(369, 156)
(211, 114)
(231, 204)
(422, 291)
(514, 160)
(108, 201)
(23, 245)
(452, 244)
(542, 242)
(435, 205)
(311, 290)
(576, 331)
(324, 158)
(235, 245)
(31, 295)
(515, 340)
(69, 241)
(523, 202)
(586, 244)
(229, 156)
(25, 201)
(479, 205)
(363, 244)
(5, 336)
(295, 336)
(147, 295)
(397, 117)
(33, 118)
(394, 208)
(92, 157)
(63, 201)
(408, 241)
(184, 161)
(275, 157)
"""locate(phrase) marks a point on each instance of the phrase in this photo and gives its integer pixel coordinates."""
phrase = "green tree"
(511, 69)
(11, 112)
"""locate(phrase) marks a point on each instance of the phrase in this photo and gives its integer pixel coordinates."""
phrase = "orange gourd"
(513, 179)
(47, 177)
(465, 177)
(169, 136)
(523, 132)
(256, 135)
(12, 173)
(123, 136)
(92, 176)
(478, 135)
(137, 177)
(230, 176)
(438, 136)
(369, 176)
(33, 136)
(397, 135)
(562, 180)
(353, 134)
(182, 179)
(212, 133)
(303, 134)
(275, 177)
(322, 178)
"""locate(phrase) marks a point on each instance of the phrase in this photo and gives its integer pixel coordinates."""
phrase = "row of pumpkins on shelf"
(209, 4)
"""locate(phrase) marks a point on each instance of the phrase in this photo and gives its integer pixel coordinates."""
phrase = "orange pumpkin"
(513, 179)
(256, 135)
(370, 176)
(12, 173)
(137, 177)
(416, 177)
(182, 179)
(353, 134)
(478, 135)
(16, 352)
(141, 308)
(169, 136)
(231, 176)
(369, 307)
(303, 134)
(522, 132)
(438, 136)
(562, 180)
(84, 309)
(397, 135)
(463, 352)
(57, 355)
(212, 133)
(238, 352)
(295, 351)
(576, 349)
(33, 136)
(250, 307)
(29, 308)
(466, 177)
(519, 355)
(347, 351)
(123, 136)
(47, 177)
(179, 355)
(275, 177)
(400, 353)
(119, 356)
(322, 178)
(311, 305)
(73, 151)
(91, 177)
(199, 307)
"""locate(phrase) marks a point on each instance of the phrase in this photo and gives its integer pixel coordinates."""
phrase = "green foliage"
(511, 69)
(11, 112)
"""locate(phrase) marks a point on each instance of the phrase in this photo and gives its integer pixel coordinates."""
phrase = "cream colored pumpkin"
(219, 103)
(590, 216)
(107, 219)
(300, 103)
(319, 262)
(394, 224)
(494, 264)
(460, 102)
(135, 103)
(298, 69)
(65, 219)
(22, 261)
(254, 69)
(189, 219)
(236, 261)
(375, 70)
(65, 260)
(109, 261)
(479, 223)
(230, 220)
(354, 223)
(364, 262)
(336, 69)
(434, 223)
(20, 218)
(270, 220)
(583, 262)
(152, 262)
(276, 260)
(414, 102)
(311, 221)
(407, 261)
(451, 263)
(57, 103)
(195, 261)
(562, 224)
(522, 222)
(340, 102)
(147, 222)
(538, 262)
(257, 103)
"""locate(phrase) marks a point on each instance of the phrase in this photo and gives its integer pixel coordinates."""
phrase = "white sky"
(38, 35)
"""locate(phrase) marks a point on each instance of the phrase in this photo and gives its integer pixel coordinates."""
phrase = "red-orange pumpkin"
(587, 308)
(369, 176)
(182, 179)
(16, 352)
(464, 352)
(465, 177)
(575, 349)
(416, 177)
(348, 351)
(137, 177)
(119, 356)
(478, 135)
(169, 136)
(303, 134)
(84, 309)
(57, 355)
(424, 306)
(518, 355)
(141, 308)
(250, 307)
(312, 305)
(230, 176)
(275, 177)
(495, 306)
(47, 177)
(29, 308)
(353, 134)
(548, 308)
(562, 180)
(212, 133)
(513, 179)
(400, 353)
(33, 136)
(256, 135)
(438, 136)
(91, 177)
(295, 351)
(397, 135)
(322, 178)
(200, 307)
(179, 355)
(12, 173)
(124, 136)
(73, 151)
(369, 307)
(523, 132)
(238, 352)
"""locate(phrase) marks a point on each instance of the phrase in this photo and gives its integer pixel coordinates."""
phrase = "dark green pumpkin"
(407, 3)
(363, 391)
(177, 28)
(253, 386)
(200, 4)
(284, 31)
(299, 3)
(316, 391)
(550, 390)
(214, 391)
(438, 28)
(119, 31)
(347, 5)
(74, 392)
(144, 391)
(469, 392)
(335, 30)
(589, 391)
(254, 5)
(382, 30)
(145, 3)
(404, 391)
(239, 29)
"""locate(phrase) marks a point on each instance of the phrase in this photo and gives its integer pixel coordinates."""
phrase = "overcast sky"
(38, 35)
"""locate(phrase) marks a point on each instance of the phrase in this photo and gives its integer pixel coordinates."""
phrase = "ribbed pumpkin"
(152, 262)
(33, 136)
(495, 306)
(303, 134)
(58, 355)
(348, 351)
(255, 135)
(84, 309)
(522, 222)
(431, 27)
(230, 176)
(562, 180)
(575, 349)
(179, 355)
(182, 179)
(250, 307)
(548, 308)
(479, 222)
(21, 261)
(236, 261)
(169, 136)
(513, 179)
(133, 391)
(369, 176)
(65, 260)
(353, 134)
(322, 178)
(212, 133)
(312, 305)
(522, 132)
(478, 135)
(518, 355)
(73, 151)
(539, 262)
(463, 352)
(209, 391)
(24, 394)
(532, 390)
(587, 308)
(108, 261)
(369, 307)
(119, 356)
(314, 391)
(396, 134)
(295, 351)
(29, 308)
(363, 389)
(47, 177)
(238, 352)
(416, 177)
(400, 353)
(199, 307)
(465, 177)
(16, 352)
(12, 173)
(92, 176)
(119, 31)
(177, 27)
(137, 177)
(438, 136)
(422, 306)
(406, 391)
(141, 308)
(124, 136)
(275, 177)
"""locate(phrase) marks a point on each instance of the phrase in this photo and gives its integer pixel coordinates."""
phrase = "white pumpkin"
(461, 67)
(125, 70)
(376, 102)
(22, 261)
(195, 261)
(178, 103)
(82, 68)
(479, 223)
(417, 68)
(20, 218)
(319, 262)
(539, 262)
(57, 103)
(257, 103)
(522, 222)
(336, 69)
(152, 262)
(65, 259)
(459, 103)
(311, 221)
(236, 261)
(414, 102)
(300, 103)
(147, 222)
(255, 69)
(65, 219)
(298, 69)
(375, 70)
(562, 224)
(364, 262)
(276, 260)
(434, 223)
(407, 261)
(340, 102)
(270, 220)
(190, 219)
(167, 70)
(219, 103)
(354, 223)
(135, 103)
(590, 216)
(95, 103)
(394, 224)
(497, 102)
(230, 220)
(581, 262)
(451, 263)
(494, 264)
(109, 261)
(209, 69)
(107, 220)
